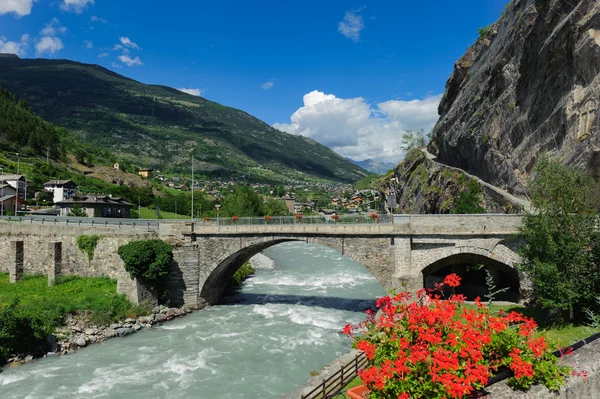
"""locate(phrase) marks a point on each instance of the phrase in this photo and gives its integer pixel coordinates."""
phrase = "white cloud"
(128, 43)
(76, 6)
(118, 47)
(193, 92)
(18, 48)
(53, 28)
(88, 44)
(102, 55)
(351, 26)
(268, 85)
(125, 59)
(19, 7)
(95, 18)
(49, 45)
(359, 130)
(115, 65)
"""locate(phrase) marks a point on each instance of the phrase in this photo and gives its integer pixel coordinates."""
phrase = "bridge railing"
(291, 220)
(83, 221)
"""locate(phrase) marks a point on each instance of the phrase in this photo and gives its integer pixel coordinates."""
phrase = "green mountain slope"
(156, 126)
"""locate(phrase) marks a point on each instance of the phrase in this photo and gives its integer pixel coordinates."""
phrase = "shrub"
(87, 245)
(469, 200)
(484, 31)
(435, 348)
(147, 259)
(77, 211)
(242, 274)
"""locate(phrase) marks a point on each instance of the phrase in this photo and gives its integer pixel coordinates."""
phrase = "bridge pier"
(55, 254)
(17, 256)
(405, 277)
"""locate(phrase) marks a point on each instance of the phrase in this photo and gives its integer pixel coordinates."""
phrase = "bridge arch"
(466, 261)
(213, 280)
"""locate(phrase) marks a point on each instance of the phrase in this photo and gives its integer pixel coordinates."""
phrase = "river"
(263, 342)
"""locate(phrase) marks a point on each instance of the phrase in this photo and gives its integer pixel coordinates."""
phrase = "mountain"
(530, 85)
(374, 166)
(156, 126)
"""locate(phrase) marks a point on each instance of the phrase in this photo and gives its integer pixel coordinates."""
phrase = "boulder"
(121, 332)
(81, 342)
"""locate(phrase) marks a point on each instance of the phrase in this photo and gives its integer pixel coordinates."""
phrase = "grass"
(557, 335)
(95, 295)
(146, 213)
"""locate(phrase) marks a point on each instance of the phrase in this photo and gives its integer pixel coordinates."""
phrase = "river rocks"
(79, 333)
(121, 332)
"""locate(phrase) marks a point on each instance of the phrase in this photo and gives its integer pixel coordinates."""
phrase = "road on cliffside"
(525, 204)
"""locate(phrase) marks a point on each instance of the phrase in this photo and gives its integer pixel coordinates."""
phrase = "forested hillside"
(159, 127)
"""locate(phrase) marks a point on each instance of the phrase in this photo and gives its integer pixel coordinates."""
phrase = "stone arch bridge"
(399, 255)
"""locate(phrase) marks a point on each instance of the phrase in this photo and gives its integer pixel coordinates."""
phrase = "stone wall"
(40, 259)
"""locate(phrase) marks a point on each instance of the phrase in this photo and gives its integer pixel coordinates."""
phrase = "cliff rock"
(529, 85)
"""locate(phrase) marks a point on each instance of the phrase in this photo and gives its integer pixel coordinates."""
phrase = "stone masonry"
(206, 256)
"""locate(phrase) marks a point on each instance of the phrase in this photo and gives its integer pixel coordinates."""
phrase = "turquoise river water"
(263, 342)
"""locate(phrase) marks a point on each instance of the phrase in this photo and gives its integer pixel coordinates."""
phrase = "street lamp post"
(2, 194)
(218, 208)
(192, 186)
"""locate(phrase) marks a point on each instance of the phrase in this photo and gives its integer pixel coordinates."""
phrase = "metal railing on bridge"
(83, 221)
(291, 220)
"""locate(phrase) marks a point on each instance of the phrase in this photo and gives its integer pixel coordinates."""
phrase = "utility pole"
(192, 186)
(18, 168)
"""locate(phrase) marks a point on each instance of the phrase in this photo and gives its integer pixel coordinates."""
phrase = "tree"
(275, 207)
(469, 200)
(77, 211)
(244, 201)
(561, 251)
(412, 140)
(146, 259)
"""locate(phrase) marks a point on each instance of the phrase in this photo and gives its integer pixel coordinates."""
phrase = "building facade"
(61, 189)
(17, 182)
(104, 206)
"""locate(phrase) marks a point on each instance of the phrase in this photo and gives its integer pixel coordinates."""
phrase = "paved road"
(525, 204)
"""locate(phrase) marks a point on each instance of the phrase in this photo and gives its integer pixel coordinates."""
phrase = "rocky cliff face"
(419, 185)
(529, 85)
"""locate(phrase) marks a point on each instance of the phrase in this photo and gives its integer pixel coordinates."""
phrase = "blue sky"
(350, 75)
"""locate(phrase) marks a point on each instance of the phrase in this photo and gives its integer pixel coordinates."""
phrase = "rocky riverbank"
(79, 332)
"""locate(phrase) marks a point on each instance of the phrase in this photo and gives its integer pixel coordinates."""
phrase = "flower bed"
(439, 348)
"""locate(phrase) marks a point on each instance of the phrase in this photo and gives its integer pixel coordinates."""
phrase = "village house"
(61, 189)
(11, 204)
(144, 172)
(104, 206)
(17, 182)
